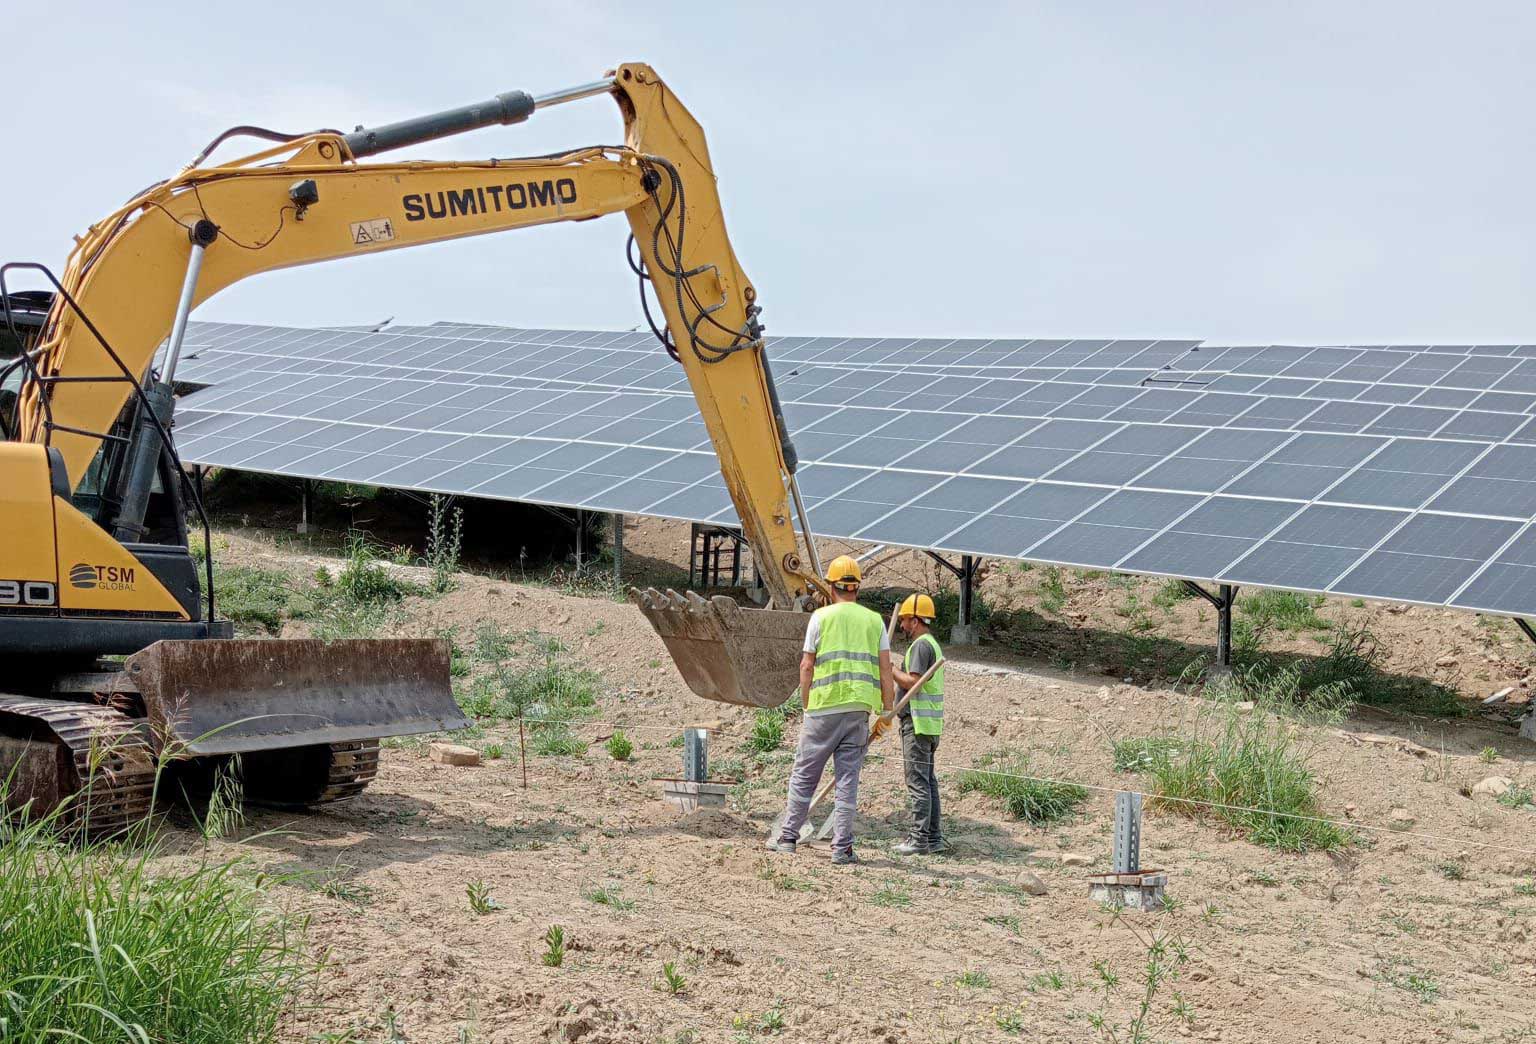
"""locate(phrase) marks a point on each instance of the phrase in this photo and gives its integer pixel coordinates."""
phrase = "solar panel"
(1071, 464)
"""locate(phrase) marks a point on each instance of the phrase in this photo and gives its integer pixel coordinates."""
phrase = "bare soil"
(1418, 933)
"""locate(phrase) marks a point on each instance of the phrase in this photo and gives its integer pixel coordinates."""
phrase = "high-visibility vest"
(847, 670)
(927, 703)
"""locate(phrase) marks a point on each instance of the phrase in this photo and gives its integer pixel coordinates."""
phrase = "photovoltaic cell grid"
(629, 360)
(1489, 378)
(931, 464)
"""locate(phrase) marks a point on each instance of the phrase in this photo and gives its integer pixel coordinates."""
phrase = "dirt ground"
(1421, 932)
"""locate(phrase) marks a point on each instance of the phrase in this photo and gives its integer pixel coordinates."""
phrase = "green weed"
(891, 896)
(1283, 610)
(480, 900)
(1052, 590)
(672, 980)
(974, 979)
(1403, 974)
(619, 746)
(610, 897)
(97, 946)
(1172, 592)
(1517, 796)
(445, 541)
(1140, 753)
(783, 881)
(1249, 772)
(255, 598)
(554, 947)
(1032, 800)
(364, 581)
(767, 732)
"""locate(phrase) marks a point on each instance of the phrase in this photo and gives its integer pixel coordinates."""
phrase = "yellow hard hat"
(844, 572)
(919, 605)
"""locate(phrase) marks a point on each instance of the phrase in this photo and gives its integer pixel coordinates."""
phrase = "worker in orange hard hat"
(845, 676)
(922, 722)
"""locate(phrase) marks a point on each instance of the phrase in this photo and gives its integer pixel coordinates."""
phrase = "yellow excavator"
(112, 654)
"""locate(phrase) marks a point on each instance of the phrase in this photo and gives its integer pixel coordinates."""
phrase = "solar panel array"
(1090, 453)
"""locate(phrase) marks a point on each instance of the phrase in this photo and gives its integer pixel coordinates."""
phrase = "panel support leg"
(581, 525)
(1528, 723)
(964, 631)
(1223, 602)
(305, 489)
(618, 552)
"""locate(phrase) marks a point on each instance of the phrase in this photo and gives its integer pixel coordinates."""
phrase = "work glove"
(881, 726)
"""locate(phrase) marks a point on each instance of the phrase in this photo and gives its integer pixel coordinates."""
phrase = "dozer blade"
(726, 653)
(232, 696)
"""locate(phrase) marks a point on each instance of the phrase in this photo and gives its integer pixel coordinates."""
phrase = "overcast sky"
(1297, 172)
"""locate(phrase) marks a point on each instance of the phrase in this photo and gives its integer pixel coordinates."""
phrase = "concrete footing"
(964, 634)
(1142, 890)
(689, 796)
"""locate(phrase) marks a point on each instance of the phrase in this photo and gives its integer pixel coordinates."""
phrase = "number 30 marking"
(27, 592)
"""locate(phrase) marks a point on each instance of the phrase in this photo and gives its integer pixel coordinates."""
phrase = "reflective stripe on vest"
(847, 658)
(927, 704)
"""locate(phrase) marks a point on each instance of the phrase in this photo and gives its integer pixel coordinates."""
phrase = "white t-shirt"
(813, 636)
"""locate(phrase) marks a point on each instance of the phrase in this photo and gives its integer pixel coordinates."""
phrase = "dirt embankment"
(1418, 933)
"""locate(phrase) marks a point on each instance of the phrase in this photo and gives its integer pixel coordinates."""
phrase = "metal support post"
(581, 520)
(1223, 603)
(305, 488)
(618, 552)
(1127, 832)
(695, 755)
(964, 631)
(1224, 628)
(1525, 626)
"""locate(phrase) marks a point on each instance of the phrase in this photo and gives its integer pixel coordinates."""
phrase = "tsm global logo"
(101, 577)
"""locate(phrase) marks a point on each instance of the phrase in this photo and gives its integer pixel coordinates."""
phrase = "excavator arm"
(134, 277)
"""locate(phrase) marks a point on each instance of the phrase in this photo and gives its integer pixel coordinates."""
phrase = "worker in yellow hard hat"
(845, 676)
(922, 722)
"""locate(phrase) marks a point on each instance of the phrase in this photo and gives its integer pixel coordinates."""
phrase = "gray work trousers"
(918, 754)
(844, 738)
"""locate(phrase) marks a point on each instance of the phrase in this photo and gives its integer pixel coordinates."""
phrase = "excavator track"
(353, 766)
(58, 749)
(302, 777)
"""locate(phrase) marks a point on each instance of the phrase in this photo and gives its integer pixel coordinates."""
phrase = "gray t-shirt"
(922, 658)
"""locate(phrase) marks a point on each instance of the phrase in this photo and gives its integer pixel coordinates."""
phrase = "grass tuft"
(767, 732)
(619, 746)
(1032, 800)
(1283, 610)
(1141, 753)
(96, 947)
(1250, 763)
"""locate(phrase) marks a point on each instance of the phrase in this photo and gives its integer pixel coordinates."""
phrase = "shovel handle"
(922, 679)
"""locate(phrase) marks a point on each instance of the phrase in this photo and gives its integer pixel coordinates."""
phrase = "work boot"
(844, 858)
(780, 846)
(939, 847)
(912, 846)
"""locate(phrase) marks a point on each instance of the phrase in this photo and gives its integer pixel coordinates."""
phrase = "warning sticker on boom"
(367, 233)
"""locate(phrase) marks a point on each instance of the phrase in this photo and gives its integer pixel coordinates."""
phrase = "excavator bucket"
(726, 653)
(237, 696)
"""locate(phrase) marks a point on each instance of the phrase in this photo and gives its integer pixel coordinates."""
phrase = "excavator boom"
(97, 401)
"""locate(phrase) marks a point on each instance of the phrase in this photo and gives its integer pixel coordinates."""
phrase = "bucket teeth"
(726, 653)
